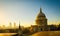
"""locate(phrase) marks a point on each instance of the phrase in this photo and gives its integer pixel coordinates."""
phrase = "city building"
(41, 22)
(15, 25)
(19, 33)
(10, 25)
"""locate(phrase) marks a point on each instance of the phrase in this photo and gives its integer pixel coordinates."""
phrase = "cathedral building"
(41, 19)
(41, 22)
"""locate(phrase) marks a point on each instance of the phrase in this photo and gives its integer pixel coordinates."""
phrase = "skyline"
(26, 11)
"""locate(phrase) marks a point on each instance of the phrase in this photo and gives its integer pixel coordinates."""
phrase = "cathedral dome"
(41, 14)
(41, 18)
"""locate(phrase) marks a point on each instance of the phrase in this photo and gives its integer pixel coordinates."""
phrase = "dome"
(41, 19)
(41, 14)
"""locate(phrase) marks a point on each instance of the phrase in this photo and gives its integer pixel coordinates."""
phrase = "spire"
(19, 26)
(20, 31)
(40, 10)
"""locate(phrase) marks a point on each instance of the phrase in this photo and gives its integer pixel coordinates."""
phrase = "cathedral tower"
(20, 30)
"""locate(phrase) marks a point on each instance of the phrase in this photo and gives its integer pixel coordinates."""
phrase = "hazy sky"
(26, 11)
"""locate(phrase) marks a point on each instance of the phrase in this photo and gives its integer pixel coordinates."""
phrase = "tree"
(58, 27)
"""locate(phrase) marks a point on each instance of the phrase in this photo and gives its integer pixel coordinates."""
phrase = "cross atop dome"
(40, 10)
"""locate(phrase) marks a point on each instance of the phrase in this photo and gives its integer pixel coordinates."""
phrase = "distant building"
(3, 27)
(10, 25)
(41, 22)
(15, 25)
(19, 33)
(20, 30)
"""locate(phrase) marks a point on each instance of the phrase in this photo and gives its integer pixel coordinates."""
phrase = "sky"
(25, 11)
